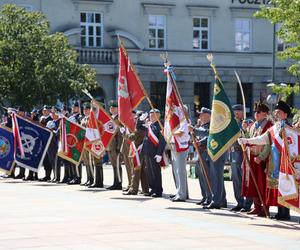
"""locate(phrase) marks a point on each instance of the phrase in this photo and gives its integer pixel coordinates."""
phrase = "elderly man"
(272, 137)
(259, 155)
(202, 134)
(236, 159)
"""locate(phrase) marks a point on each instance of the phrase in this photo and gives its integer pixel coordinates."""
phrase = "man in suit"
(153, 148)
(114, 149)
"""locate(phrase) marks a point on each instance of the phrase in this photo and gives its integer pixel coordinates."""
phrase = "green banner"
(224, 130)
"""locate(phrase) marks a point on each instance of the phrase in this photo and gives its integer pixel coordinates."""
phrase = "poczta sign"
(251, 1)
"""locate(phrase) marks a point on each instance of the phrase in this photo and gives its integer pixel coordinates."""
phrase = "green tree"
(37, 67)
(286, 13)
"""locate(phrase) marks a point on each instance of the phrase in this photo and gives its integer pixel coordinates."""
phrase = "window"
(248, 92)
(91, 29)
(201, 96)
(242, 34)
(201, 33)
(281, 46)
(157, 32)
(158, 95)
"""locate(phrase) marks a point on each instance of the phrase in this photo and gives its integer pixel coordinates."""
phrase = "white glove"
(158, 158)
(242, 141)
(122, 130)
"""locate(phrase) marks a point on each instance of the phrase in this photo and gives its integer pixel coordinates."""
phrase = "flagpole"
(244, 150)
(202, 163)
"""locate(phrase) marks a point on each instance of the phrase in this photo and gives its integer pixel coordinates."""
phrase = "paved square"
(36, 215)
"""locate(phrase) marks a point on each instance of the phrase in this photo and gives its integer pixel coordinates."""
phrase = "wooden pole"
(202, 163)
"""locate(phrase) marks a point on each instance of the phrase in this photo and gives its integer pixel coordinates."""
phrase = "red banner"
(130, 91)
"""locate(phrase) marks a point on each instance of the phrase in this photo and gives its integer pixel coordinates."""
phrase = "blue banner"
(6, 149)
(35, 142)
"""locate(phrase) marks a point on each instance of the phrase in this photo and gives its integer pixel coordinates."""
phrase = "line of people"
(148, 144)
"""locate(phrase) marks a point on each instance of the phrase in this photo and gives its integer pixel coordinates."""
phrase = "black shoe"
(156, 195)
(96, 186)
(147, 194)
(28, 178)
(46, 178)
(245, 210)
(130, 192)
(236, 208)
(281, 217)
(125, 189)
(74, 181)
(224, 205)
(172, 196)
(20, 176)
(201, 202)
(211, 206)
(177, 200)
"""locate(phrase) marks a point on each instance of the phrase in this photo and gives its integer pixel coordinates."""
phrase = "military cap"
(75, 104)
(113, 103)
(86, 105)
(20, 109)
(204, 111)
(260, 107)
(64, 107)
(283, 106)
(46, 107)
(154, 111)
(238, 107)
(34, 111)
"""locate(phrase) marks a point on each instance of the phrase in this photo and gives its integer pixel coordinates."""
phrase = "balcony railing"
(96, 56)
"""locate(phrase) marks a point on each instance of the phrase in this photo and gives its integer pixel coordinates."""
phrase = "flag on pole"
(71, 141)
(31, 143)
(173, 111)
(130, 90)
(6, 149)
(224, 130)
(289, 174)
(100, 130)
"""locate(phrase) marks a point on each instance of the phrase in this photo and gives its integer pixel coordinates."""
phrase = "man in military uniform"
(74, 170)
(271, 137)
(202, 135)
(258, 158)
(153, 148)
(114, 149)
(21, 112)
(139, 172)
(45, 118)
(86, 155)
(236, 159)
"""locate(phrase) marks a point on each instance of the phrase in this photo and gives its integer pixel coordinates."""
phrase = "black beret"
(75, 104)
(283, 106)
(86, 105)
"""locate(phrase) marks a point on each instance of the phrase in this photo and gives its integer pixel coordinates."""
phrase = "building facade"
(187, 29)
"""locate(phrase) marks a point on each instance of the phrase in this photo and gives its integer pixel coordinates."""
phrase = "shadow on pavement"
(281, 225)
(93, 190)
(136, 198)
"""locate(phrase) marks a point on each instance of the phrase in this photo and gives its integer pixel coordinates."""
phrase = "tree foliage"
(286, 13)
(37, 67)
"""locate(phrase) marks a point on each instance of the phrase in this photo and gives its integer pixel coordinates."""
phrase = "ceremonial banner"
(100, 130)
(31, 143)
(6, 149)
(130, 91)
(71, 141)
(173, 112)
(224, 130)
(289, 175)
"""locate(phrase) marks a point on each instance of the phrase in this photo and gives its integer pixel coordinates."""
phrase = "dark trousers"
(154, 175)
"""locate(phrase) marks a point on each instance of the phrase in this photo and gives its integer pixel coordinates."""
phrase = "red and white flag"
(100, 130)
(130, 91)
(17, 137)
(289, 175)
